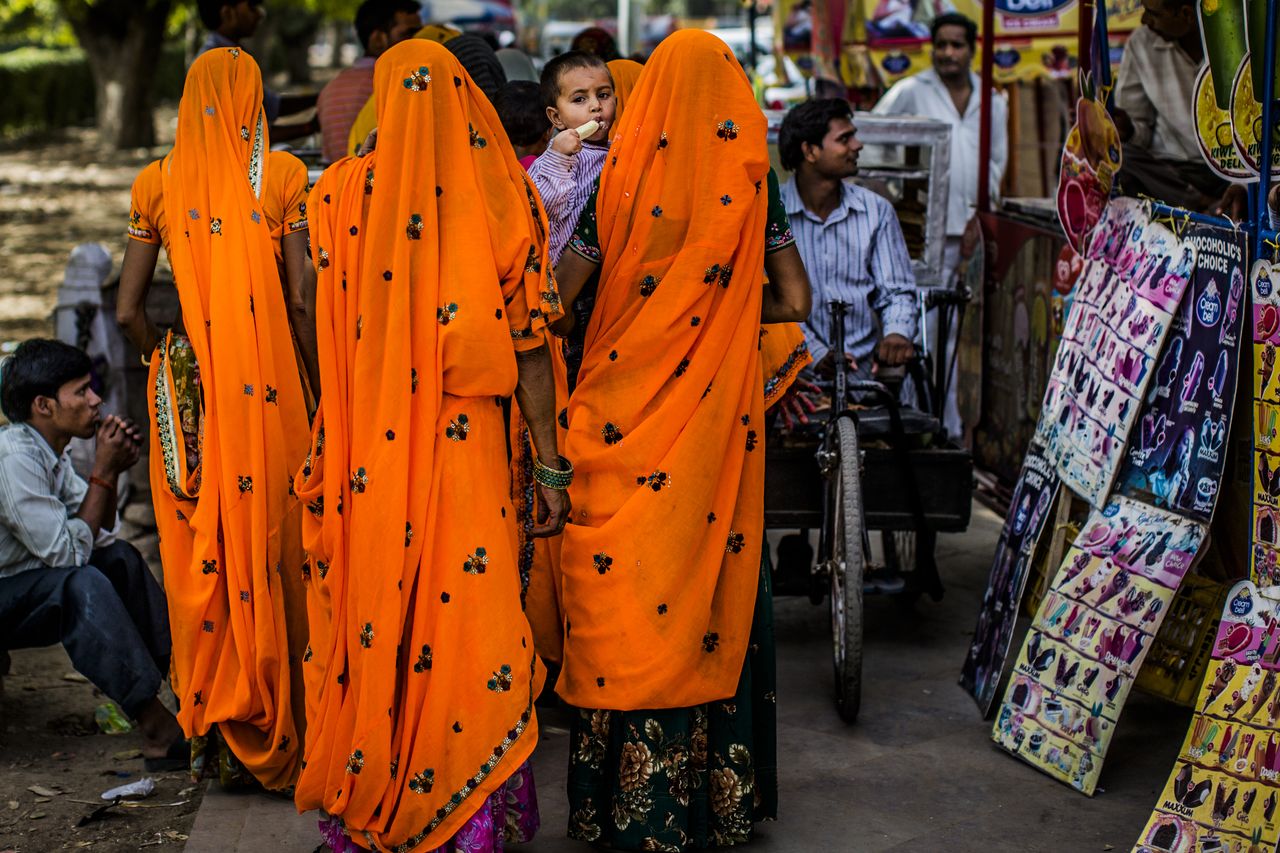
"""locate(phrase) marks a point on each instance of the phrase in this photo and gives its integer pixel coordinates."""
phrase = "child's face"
(586, 94)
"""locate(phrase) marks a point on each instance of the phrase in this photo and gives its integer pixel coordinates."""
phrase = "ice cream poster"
(1177, 450)
(1088, 640)
(1133, 280)
(1030, 507)
(1224, 788)
(1265, 281)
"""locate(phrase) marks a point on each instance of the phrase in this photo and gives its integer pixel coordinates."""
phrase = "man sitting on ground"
(64, 577)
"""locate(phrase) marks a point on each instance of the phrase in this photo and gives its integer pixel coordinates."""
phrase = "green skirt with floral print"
(682, 778)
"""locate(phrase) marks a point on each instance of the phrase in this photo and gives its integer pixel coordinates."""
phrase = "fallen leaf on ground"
(42, 791)
(35, 815)
(76, 677)
(127, 754)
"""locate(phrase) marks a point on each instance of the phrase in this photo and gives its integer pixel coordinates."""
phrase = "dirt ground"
(55, 193)
(54, 766)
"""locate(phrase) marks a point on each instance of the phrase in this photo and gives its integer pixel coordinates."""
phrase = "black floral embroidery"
(418, 80)
(391, 435)
(501, 681)
(534, 262)
(746, 419)
(458, 428)
(272, 395)
(648, 285)
(735, 543)
(611, 433)
(476, 563)
(711, 518)
(717, 272)
(207, 626)
(246, 484)
(355, 762)
(682, 367)
(657, 481)
(366, 635)
(656, 212)
(695, 321)
(727, 130)
(751, 440)
(710, 641)
(603, 562)
(209, 567)
(423, 662)
(447, 313)
(662, 141)
(414, 229)
(359, 481)
(306, 571)
(477, 141)
(215, 227)
(613, 355)
(423, 782)
(323, 263)
(726, 199)
(248, 390)
(368, 182)
(308, 654)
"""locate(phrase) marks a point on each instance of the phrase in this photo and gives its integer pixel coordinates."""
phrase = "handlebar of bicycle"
(947, 296)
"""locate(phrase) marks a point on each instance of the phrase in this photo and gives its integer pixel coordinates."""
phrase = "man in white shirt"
(1154, 109)
(951, 92)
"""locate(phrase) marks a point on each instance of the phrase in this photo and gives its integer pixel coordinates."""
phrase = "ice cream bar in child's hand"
(588, 129)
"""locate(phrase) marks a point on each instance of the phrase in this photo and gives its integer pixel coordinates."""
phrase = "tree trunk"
(122, 40)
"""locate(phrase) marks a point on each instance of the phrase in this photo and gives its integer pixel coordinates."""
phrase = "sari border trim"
(784, 375)
(166, 430)
(460, 796)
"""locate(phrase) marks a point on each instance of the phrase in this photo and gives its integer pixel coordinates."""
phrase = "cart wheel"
(844, 522)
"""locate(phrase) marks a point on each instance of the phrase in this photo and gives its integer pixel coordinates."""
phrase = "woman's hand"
(553, 512)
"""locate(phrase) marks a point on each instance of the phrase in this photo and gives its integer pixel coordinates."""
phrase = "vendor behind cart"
(951, 92)
(1153, 109)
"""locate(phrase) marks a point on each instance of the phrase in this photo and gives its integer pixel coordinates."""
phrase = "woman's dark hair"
(808, 122)
(597, 41)
(570, 60)
(955, 19)
(38, 368)
(524, 118)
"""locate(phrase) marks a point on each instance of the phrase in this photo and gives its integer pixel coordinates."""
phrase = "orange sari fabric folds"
(661, 562)
(230, 533)
(432, 273)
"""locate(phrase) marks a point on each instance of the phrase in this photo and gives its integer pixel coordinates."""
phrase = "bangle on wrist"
(106, 484)
(558, 479)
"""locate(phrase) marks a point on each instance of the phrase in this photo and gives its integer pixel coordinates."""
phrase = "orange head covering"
(229, 526)
(432, 271)
(661, 562)
(625, 73)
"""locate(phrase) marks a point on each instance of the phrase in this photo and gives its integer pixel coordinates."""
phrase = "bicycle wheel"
(844, 523)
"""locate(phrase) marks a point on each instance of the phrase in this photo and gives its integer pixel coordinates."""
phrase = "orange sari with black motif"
(229, 428)
(432, 273)
(660, 565)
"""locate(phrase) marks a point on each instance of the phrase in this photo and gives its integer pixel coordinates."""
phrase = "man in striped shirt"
(379, 25)
(850, 241)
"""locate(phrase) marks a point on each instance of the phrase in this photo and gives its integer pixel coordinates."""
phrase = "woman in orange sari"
(433, 288)
(667, 637)
(229, 419)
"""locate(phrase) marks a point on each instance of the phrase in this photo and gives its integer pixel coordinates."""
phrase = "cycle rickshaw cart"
(878, 465)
